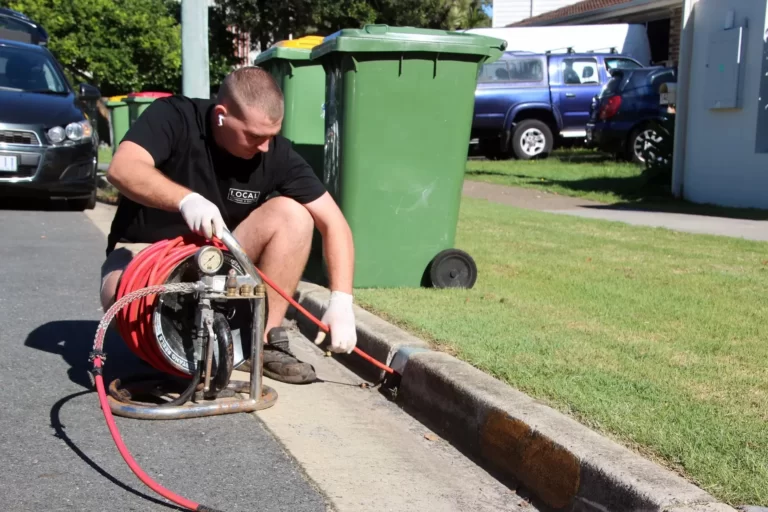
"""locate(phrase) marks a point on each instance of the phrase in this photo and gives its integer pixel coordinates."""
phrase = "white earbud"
(221, 120)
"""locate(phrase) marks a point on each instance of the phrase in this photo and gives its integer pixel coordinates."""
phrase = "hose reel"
(173, 318)
(199, 335)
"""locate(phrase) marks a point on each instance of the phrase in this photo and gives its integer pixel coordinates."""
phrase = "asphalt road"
(56, 450)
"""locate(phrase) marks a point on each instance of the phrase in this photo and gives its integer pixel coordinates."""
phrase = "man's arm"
(152, 140)
(339, 251)
(132, 171)
(338, 244)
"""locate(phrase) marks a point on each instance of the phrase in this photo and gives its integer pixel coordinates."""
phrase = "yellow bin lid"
(303, 43)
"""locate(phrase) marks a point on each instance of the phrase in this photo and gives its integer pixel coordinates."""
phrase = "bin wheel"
(453, 268)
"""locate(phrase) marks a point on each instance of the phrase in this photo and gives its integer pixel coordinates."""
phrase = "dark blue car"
(48, 147)
(622, 115)
(14, 21)
(525, 103)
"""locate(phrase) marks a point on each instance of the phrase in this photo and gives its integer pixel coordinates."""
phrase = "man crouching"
(205, 166)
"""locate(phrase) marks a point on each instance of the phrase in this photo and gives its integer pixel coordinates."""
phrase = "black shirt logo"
(239, 196)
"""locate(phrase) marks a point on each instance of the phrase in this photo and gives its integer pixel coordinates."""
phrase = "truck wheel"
(532, 139)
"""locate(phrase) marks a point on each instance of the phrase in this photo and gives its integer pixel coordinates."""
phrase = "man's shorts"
(116, 262)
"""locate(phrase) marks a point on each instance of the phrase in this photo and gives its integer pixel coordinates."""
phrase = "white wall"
(512, 11)
(721, 165)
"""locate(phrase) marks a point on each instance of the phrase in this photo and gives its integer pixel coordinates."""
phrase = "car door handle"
(570, 95)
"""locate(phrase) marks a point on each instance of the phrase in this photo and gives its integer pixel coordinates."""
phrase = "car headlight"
(56, 134)
(75, 132)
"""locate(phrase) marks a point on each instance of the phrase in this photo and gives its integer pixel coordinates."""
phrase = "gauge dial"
(209, 259)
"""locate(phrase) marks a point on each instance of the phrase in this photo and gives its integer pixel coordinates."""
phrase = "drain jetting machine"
(195, 311)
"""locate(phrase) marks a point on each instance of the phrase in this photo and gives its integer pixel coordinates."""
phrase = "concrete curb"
(564, 465)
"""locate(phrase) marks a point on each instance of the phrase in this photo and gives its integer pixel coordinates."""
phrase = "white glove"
(340, 317)
(199, 214)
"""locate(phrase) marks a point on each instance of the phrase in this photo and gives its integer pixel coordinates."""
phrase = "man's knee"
(112, 269)
(289, 214)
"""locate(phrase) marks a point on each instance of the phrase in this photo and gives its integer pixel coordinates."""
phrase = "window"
(580, 72)
(621, 64)
(512, 70)
(11, 24)
(494, 72)
(23, 70)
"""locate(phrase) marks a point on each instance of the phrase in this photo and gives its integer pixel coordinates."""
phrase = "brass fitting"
(245, 290)
(260, 291)
(231, 283)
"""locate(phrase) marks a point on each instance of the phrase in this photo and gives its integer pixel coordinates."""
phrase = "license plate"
(8, 164)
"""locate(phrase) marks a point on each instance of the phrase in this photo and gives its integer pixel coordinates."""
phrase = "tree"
(118, 46)
(270, 21)
(466, 14)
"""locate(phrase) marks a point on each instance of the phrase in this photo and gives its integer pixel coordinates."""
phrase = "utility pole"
(194, 49)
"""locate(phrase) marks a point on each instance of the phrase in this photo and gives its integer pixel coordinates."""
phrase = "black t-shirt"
(176, 131)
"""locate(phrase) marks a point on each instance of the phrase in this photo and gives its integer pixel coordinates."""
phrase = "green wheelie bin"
(139, 101)
(118, 120)
(303, 84)
(399, 108)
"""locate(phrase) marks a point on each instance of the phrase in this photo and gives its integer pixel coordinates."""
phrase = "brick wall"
(675, 27)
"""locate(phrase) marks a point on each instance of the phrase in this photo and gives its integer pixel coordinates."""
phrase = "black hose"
(187, 394)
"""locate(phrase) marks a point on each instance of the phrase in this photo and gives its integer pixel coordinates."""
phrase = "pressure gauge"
(209, 259)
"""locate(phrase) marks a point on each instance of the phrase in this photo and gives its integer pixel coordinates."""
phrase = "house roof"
(582, 7)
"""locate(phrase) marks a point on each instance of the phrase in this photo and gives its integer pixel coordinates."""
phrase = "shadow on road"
(669, 205)
(60, 432)
(583, 157)
(487, 173)
(73, 341)
(34, 204)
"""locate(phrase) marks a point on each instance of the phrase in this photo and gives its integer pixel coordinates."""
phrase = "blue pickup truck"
(525, 103)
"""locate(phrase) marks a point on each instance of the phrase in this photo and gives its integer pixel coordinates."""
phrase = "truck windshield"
(512, 70)
(24, 70)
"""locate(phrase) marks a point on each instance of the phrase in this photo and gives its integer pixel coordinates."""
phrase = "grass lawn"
(575, 172)
(598, 177)
(655, 338)
(105, 155)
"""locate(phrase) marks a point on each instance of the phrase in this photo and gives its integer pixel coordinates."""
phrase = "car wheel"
(638, 140)
(532, 139)
(84, 204)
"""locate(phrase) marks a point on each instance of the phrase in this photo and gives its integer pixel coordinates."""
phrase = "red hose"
(318, 323)
(159, 489)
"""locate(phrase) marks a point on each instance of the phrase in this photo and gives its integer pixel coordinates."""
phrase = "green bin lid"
(280, 52)
(293, 49)
(383, 38)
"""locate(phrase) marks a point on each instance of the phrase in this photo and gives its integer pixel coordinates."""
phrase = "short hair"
(251, 86)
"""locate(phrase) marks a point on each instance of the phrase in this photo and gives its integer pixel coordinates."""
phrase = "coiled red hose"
(151, 267)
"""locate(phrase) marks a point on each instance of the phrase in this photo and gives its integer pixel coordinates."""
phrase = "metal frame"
(260, 397)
